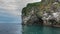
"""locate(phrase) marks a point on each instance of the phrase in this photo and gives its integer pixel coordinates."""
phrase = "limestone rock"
(33, 12)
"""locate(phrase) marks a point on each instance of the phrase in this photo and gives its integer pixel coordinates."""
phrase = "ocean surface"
(10, 28)
(17, 28)
(36, 29)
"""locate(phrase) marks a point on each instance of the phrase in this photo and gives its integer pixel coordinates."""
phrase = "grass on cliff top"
(41, 6)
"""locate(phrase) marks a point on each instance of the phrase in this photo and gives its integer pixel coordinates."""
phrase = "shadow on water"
(37, 29)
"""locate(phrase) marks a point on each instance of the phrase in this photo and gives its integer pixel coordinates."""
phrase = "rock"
(33, 12)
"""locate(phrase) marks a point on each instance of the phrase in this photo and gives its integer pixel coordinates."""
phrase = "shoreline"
(49, 25)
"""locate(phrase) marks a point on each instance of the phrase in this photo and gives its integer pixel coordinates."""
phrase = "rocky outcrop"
(31, 17)
(33, 13)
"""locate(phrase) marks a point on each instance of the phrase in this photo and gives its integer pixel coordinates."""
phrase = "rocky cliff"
(33, 13)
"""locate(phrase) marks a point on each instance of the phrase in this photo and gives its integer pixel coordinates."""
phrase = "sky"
(10, 10)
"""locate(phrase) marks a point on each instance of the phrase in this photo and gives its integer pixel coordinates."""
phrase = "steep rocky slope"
(34, 12)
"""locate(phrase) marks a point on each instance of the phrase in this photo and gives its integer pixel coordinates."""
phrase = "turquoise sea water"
(16, 28)
(36, 29)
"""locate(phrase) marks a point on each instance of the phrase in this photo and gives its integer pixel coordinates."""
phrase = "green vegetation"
(43, 5)
(39, 8)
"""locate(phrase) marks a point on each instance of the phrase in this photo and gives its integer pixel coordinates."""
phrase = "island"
(46, 12)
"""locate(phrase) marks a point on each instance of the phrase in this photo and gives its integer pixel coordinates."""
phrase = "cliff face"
(33, 12)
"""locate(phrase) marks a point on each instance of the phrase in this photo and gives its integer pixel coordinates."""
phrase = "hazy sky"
(10, 10)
